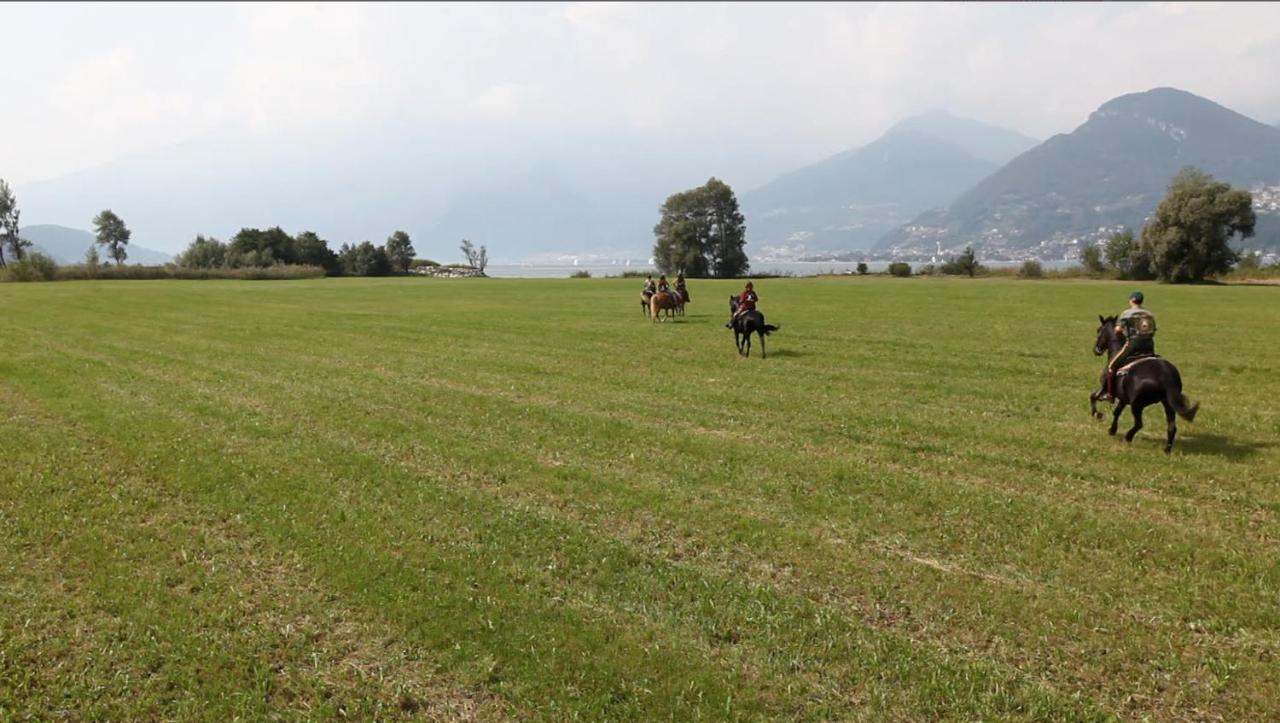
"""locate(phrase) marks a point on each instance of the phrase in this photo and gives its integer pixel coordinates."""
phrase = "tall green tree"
(400, 251)
(314, 251)
(726, 231)
(1189, 236)
(1126, 256)
(364, 259)
(113, 234)
(255, 247)
(701, 232)
(203, 253)
(9, 224)
(681, 235)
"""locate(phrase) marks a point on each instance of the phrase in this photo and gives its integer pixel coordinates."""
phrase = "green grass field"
(519, 499)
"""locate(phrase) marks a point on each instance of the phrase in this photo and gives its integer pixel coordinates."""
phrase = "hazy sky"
(84, 84)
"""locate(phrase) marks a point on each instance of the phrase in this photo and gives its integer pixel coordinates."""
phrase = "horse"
(1147, 380)
(664, 301)
(750, 321)
(644, 303)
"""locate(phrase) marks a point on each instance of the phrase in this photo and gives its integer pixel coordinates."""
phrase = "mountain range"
(930, 180)
(68, 245)
(850, 200)
(1107, 174)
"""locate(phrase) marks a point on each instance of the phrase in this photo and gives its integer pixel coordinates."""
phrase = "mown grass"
(519, 499)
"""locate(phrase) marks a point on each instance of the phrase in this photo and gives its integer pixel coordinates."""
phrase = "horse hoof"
(1168, 450)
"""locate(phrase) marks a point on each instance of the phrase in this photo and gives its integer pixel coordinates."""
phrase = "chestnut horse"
(665, 301)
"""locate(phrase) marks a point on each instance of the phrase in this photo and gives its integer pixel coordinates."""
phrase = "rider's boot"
(1106, 387)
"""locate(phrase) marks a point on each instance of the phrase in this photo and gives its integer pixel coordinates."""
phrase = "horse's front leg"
(1115, 417)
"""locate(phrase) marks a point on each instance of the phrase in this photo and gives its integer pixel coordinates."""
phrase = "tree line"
(250, 248)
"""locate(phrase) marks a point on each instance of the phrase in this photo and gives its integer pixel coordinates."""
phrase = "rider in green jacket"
(1137, 326)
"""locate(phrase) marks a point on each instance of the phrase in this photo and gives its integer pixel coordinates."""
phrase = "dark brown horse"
(1147, 380)
(743, 326)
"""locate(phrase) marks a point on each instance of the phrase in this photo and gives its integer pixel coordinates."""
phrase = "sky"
(87, 83)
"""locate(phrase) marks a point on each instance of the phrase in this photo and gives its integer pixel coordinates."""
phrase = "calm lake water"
(795, 268)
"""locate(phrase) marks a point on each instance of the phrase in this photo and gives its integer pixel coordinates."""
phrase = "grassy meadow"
(519, 499)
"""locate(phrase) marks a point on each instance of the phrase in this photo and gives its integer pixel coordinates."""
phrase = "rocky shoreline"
(448, 272)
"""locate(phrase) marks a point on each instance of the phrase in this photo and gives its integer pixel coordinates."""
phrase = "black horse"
(751, 321)
(1149, 380)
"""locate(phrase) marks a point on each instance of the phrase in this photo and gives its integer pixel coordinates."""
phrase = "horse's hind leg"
(1171, 423)
(1137, 423)
(1115, 418)
(763, 354)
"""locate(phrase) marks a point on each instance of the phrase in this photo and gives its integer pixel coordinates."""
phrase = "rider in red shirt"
(746, 302)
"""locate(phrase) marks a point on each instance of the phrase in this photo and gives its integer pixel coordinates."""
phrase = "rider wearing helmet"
(1137, 326)
(746, 302)
(680, 287)
(663, 285)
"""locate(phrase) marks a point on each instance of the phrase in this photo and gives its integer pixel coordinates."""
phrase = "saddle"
(1128, 367)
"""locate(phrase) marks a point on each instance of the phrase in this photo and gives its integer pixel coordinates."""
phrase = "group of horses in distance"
(1139, 384)
(669, 304)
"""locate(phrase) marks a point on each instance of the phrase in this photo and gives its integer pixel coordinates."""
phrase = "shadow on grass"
(786, 353)
(1218, 445)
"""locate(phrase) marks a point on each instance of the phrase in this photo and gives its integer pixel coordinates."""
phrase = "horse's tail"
(771, 327)
(1183, 406)
(1177, 399)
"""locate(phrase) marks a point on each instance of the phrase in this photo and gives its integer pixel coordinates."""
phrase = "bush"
(900, 268)
(862, 268)
(364, 259)
(966, 264)
(416, 263)
(1031, 269)
(34, 266)
(1091, 259)
(583, 274)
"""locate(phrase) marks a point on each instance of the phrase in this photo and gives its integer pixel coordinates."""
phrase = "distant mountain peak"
(1108, 173)
(992, 144)
(1167, 109)
(848, 200)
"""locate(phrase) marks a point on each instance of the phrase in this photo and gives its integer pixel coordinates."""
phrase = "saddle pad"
(1127, 367)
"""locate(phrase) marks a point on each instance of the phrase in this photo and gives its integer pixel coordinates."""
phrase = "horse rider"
(649, 287)
(746, 302)
(663, 285)
(1137, 326)
(681, 289)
